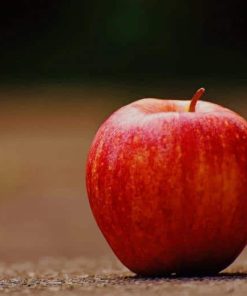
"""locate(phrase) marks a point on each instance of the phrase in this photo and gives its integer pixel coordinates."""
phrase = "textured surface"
(107, 277)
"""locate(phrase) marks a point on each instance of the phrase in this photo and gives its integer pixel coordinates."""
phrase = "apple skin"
(168, 188)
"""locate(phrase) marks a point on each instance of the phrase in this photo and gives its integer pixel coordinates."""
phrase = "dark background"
(64, 67)
(71, 40)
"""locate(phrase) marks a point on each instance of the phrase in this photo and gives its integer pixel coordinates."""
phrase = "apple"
(167, 184)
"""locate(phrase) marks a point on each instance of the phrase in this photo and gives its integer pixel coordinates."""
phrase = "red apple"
(167, 184)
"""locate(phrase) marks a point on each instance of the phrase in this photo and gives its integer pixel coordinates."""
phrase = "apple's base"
(178, 275)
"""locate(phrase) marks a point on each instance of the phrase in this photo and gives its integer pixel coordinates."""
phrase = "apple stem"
(199, 93)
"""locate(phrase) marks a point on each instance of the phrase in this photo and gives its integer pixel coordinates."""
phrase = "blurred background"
(64, 67)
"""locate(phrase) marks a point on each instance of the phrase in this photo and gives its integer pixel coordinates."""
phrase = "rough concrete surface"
(108, 277)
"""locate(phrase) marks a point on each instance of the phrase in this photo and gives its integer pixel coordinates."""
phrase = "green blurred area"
(126, 39)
